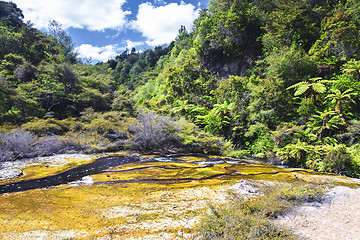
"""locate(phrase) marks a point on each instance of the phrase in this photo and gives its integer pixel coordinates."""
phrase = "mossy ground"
(132, 201)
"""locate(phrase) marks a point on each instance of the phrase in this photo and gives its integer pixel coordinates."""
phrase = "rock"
(10, 173)
(245, 187)
(87, 180)
(339, 192)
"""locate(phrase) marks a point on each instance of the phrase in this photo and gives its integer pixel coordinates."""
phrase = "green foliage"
(297, 192)
(231, 223)
(64, 48)
(355, 153)
(353, 67)
(189, 81)
(11, 13)
(295, 152)
(133, 69)
(102, 123)
(229, 78)
(183, 108)
(339, 160)
(306, 108)
(196, 140)
(49, 126)
(218, 120)
(324, 122)
(291, 64)
(351, 134)
(262, 146)
(339, 99)
(340, 37)
(223, 33)
(313, 86)
(293, 22)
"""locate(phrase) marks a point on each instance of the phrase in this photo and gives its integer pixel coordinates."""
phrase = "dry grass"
(248, 218)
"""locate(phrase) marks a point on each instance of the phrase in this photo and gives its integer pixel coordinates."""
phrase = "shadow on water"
(71, 175)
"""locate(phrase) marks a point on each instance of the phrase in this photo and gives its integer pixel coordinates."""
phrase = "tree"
(8, 67)
(183, 107)
(9, 12)
(295, 151)
(7, 95)
(223, 34)
(323, 122)
(310, 88)
(218, 120)
(339, 98)
(63, 41)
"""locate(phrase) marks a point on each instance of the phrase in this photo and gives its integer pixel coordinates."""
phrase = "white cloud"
(90, 14)
(101, 54)
(131, 44)
(161, 24)
(160, 2)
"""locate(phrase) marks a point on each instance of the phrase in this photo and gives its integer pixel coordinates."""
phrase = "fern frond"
(301, 90)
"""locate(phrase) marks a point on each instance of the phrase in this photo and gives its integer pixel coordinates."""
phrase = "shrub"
(295, 193)
(89, 141)
(115, 135)
(99, 125)
(338, 160)
(17, 144)
(196, 140)
(122, 104)
(242, 218)
(102, 122)
(262, 146)
(154, 132)
(235, 222)
(49, 126)
(54, 145)
(205, 143)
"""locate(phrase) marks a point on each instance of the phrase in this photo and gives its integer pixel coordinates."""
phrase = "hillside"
(269, 79)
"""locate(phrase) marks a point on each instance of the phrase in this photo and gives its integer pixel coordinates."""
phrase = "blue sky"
(102, 29)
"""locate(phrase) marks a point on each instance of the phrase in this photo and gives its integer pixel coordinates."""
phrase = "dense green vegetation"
(269, 79)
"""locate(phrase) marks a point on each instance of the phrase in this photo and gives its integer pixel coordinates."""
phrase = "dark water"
(102, 165)
(71, 175)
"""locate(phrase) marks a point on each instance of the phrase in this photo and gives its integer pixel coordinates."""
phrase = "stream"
(103, 165)
(95, 167)
(71, 175)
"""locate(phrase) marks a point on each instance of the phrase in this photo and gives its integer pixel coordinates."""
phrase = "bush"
(235, 222)
(17, 144)
(295, 193)
(154, 132)
(262, 146)
(49, 126)
(242, 218)
(339, 160)
(102, 123)
(196, 140)
(88, 140)
(54, 145)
